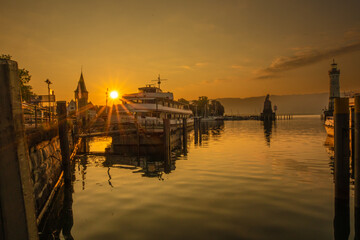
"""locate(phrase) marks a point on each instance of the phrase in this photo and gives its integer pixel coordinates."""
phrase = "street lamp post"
(48, 83)
(107, 96)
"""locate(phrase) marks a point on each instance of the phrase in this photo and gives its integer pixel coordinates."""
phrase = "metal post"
(48, 83)
(17, 204)
(106, 106)
(342, 151)
(64, 141)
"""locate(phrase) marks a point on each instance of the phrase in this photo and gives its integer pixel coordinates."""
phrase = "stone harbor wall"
(45, 168)
(45, 163)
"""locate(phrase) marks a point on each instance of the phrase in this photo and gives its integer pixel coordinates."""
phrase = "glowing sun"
(114, 94)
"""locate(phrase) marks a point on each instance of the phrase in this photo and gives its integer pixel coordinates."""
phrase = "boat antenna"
(159, 80)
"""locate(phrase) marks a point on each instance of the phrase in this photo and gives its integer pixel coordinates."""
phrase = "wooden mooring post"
(64, 141)
(36, 120)
(352, 142)
(167, 144)
(342, 171)
(184, 126)
(356, 153)
(200, 132)
(196, 131)
(342, 151)
(17, 204)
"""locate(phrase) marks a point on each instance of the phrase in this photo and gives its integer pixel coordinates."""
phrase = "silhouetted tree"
(202, 107)
(24, 77)
(183, 101)
(216, 108)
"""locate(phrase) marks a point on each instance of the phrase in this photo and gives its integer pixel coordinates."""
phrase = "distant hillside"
(287, 104)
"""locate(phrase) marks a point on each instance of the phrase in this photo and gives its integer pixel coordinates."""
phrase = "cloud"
(201, 64)
(237, 67)
(215, 81)
(193, 66)
(353, 33)
(303, 57)
(185, 67)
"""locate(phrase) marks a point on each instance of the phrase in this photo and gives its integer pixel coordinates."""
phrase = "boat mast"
(159, 81)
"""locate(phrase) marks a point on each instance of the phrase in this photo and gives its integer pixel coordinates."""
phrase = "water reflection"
(215, 190)
(208, 130)
(341, 206)
(147, 166)
(267, 131)
(329, 146)
(82, 167)
(60, 218)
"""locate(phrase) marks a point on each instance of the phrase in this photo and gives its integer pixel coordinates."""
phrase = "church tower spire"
(80, 91)
(81, 100)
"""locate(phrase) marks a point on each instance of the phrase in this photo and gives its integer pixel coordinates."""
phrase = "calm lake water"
(241, 181)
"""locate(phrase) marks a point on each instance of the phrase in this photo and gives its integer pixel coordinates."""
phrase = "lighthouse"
(334, 74)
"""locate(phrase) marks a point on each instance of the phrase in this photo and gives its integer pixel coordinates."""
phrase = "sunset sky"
(220, 48)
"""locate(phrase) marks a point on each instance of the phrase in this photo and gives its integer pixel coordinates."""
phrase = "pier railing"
(35, 116)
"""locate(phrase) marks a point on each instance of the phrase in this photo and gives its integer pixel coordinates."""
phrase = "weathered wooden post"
(184, 135)
(342, 151)
(356, 152)
(357, 223)
(64, 141)
(352, 141)
(200, 132)
(196, 128)
(341, 219)
(36, 122)
(17, 204)
(166, 139)
(342, 175)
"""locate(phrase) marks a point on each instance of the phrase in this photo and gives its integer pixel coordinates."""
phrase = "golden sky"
(217, 48)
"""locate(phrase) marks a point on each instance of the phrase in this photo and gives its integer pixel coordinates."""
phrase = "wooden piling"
(36, 120)
(357, 223)
(356, 152)
(352, 142)
(200, 132)
(64, 141)
(341, 219)
(342, 151)
(196, 131)
(167, 145)
(17, 204)
(184, 128)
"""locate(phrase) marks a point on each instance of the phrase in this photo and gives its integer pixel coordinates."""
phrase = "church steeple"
(80, 91)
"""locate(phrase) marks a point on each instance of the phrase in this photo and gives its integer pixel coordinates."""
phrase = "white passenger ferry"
(149, 107)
